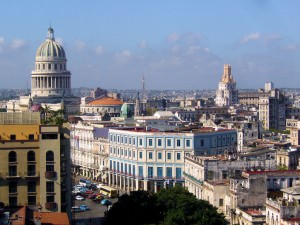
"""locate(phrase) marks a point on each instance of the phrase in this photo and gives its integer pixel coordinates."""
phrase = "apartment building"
(33, 163)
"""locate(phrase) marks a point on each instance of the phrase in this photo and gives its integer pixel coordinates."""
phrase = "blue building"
(146, 159)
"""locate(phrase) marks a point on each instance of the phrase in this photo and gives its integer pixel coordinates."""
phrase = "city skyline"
(174, 45)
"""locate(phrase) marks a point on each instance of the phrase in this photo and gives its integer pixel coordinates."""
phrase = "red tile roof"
(105, 101)
(55, 218)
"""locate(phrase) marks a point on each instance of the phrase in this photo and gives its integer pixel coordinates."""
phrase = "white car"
(79, 198)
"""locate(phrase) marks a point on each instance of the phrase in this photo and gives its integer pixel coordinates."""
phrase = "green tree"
(174, 206)
(134, 209)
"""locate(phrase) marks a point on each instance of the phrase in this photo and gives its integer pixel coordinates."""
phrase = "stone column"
(145, 185)
(155, 186)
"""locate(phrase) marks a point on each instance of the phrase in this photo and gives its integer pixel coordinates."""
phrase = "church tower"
(227, 94)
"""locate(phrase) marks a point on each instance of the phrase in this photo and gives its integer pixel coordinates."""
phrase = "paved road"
(93, 216)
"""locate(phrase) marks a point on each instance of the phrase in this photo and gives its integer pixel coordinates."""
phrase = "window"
(12, 171)
(31, 156)
(169, 155)
(31, 186)
(159, 155)
(159, 143)
(49, 168)
(133, 170)
(130, 141)
(31, 137)
(150, 142)
(140, 141)
(169, 171)
(159, 172)
(202, 142)
(50, 198)
(133, 154)
(31, 170)
(60, 66)
(178, 173)
(168, 142)
(141, 155)
(221, 202)
(150, 155)
(31, 200)
(49, 66)
(49, 186)
(150, 171)
(12, 157)
(49, 136)
(178, 156)
(141, 171)
(12, 187)
(178, 143)
(188, 143)
(13, 201)
(129, 153)
(55, 66)
(50, 156)
(12, 137)
(133, 140)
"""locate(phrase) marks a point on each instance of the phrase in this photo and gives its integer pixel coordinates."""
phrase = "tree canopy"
(167, 207)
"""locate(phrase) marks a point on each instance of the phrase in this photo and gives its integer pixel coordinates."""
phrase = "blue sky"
(175, 44)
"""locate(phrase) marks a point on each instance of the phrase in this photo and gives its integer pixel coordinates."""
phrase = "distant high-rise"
(227, 94)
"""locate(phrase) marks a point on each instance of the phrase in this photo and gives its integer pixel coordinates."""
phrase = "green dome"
(50, 48)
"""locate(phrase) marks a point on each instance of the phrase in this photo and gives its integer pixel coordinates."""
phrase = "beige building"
(293, 125)
(34, 162)
(227, 94)
(89, 150)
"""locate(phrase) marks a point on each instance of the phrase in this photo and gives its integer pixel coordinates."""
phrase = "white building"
(89, 150)
(50, 79)
(227, 94)
(141, 159)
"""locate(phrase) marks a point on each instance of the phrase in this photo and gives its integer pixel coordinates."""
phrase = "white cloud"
(143, 44)
(1, 40)
(79, 45)
(173, 37)
(17, 43)
(99, 50)
(193, 49)
(250, 37)
(1, 43)
(125, 53)
(123, 56)
(290, 47)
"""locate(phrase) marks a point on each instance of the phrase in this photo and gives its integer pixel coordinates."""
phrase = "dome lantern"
(51, 34)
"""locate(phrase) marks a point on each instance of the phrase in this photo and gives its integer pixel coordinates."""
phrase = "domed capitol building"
(50, 80)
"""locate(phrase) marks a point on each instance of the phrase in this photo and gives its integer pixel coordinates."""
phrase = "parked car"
(79, 198)
(92, 196)
(84, 208)
(76, 209)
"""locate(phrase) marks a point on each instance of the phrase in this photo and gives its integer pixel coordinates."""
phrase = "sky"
(174, 44)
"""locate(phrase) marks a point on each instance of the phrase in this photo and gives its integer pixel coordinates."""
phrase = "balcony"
(31, 174)
(50, 174)
(13, 175)
(51, 205)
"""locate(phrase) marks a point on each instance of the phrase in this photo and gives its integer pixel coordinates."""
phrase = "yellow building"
(33, 163)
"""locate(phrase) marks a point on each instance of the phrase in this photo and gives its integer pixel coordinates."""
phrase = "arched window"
(12, 157)
(31, 156)
(49, 156)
